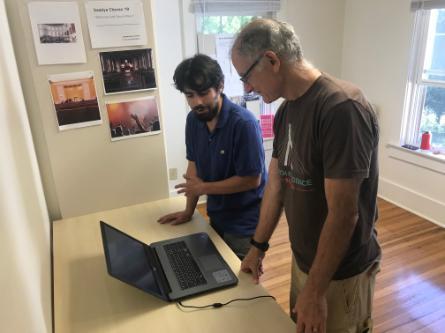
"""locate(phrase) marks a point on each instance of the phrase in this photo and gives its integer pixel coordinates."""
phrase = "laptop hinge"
(153, 258)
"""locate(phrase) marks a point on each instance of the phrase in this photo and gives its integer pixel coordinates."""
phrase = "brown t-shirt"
(329, 132)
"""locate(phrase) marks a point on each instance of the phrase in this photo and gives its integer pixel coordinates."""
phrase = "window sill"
(423, 159)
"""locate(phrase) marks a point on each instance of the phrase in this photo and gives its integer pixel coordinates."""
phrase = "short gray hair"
(268, 34)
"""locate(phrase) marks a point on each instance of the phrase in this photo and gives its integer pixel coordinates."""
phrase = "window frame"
(263, 111)
(417, 85)
(244, 96)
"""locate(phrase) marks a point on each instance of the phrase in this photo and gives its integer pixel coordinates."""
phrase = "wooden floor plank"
(410, 289)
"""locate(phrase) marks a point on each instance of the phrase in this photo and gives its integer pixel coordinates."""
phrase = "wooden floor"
(410, 289)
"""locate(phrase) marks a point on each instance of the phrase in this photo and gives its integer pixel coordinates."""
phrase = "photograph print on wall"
(57, 33)
(127, 71)
(75, 99)
(133, 118)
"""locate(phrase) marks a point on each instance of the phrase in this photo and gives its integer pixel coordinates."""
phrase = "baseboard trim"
(414, 202)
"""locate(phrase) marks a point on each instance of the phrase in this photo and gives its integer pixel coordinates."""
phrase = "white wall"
(83, 171)
(175, 36)
(319, 24)
(169, 44)
(25, 273)
(375, 56)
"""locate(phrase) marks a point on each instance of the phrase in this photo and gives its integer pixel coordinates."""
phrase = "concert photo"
(127, 71)
(132, 118)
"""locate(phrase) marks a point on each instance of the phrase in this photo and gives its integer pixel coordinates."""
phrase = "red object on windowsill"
(426, 141)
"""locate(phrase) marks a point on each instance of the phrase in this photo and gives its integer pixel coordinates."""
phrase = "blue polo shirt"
(235, 148)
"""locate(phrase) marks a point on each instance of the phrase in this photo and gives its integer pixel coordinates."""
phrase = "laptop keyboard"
(185, 267)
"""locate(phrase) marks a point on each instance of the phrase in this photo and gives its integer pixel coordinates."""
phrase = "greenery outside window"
(221, 24)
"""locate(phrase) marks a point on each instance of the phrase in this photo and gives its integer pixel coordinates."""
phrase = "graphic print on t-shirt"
(293, 172)
(288, 146)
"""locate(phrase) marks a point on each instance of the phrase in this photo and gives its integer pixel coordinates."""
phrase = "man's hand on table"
(176, 218)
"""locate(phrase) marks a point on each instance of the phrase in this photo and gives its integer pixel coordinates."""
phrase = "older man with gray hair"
(323, 172)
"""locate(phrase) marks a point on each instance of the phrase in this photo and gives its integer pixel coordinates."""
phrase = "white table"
(87, 299)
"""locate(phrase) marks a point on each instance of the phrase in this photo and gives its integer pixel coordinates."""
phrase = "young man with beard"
(225, 155)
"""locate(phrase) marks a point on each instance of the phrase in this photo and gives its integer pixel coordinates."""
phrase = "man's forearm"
(191, 200)
(271, 206)
(334, 241)
(191, 204)
(271, 209)
(234, 184)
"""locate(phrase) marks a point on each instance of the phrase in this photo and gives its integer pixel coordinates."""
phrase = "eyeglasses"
(245, 76)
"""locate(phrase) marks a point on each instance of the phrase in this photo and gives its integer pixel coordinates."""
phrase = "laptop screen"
(127, 260)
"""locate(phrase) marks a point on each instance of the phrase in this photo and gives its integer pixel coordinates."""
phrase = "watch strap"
(264, 246)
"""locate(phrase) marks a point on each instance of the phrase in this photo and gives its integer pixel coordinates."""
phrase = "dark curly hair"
(198, 73)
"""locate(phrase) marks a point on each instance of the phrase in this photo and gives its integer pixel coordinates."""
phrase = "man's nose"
(195, 101)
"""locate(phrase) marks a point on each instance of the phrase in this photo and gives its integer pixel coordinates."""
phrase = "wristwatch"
(260, 246)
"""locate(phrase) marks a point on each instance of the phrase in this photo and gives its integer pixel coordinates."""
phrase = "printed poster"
(57, 32)
(116, 23)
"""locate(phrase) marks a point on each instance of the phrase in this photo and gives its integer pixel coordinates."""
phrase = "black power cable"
(220, 305)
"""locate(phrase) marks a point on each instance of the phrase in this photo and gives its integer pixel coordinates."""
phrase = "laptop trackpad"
(210, 263)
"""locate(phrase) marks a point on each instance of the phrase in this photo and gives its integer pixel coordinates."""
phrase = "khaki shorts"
(239, 244)
(349, 300)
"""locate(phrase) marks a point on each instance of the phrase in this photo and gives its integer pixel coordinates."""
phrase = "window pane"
(210, 25)
(434, 67)
(433, 115)
(221, 24)
(441, 22)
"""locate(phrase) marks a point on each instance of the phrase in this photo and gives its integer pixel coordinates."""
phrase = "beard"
(206, 113)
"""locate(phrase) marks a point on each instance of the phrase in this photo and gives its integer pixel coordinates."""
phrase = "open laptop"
(171, 269)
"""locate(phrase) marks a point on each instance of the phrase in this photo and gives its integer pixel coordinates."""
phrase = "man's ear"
(221, 87)
(273, 59)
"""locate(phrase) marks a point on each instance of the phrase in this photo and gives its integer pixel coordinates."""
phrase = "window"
(425, 95)
(217, 22)
(215, 38)
(221, 24)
